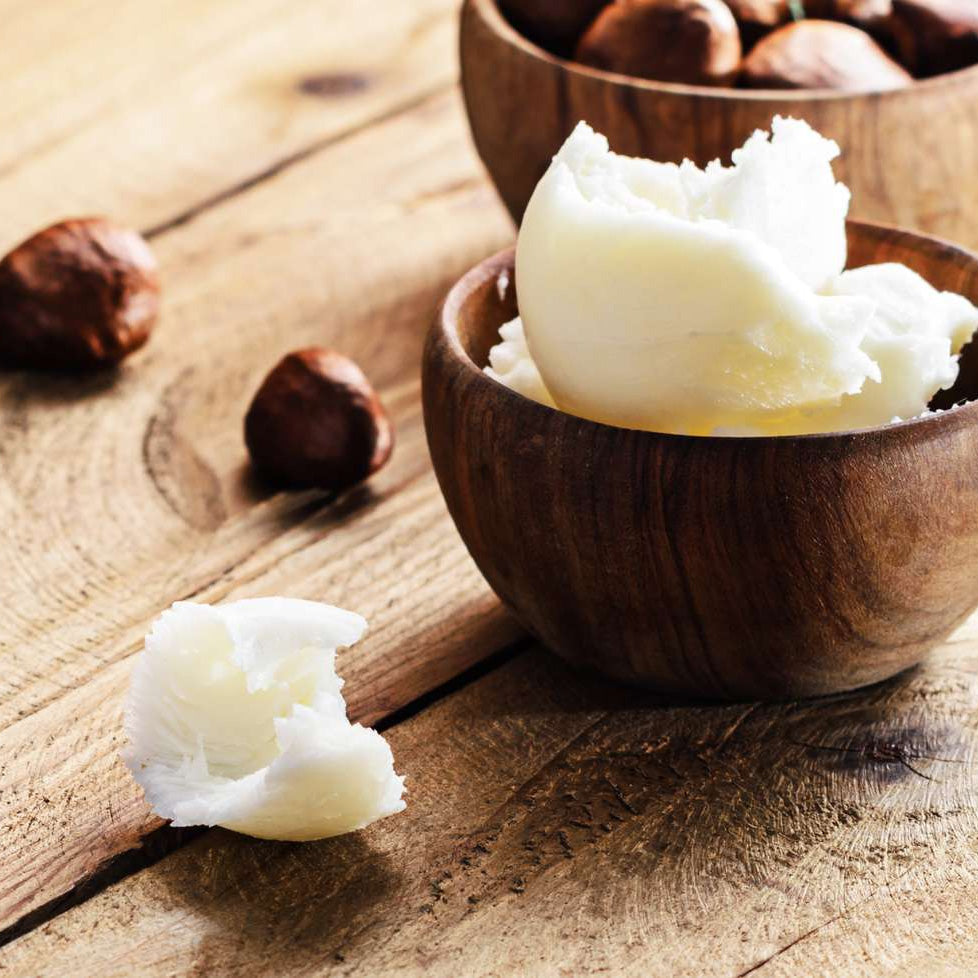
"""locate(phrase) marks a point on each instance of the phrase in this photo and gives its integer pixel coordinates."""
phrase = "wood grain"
(301, 188)
(160, 504)
(910, 156)
(734, 568)
(556, 826)
(152, 111)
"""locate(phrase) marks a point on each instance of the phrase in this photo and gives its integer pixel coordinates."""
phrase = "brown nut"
(695, 42)
(316, 422)
(768, 13)
(932, 37)
(862, 11)
(553, 24)
(79, 295)
(845, 9)
(870, 15)
(822, 54)
(758, 17)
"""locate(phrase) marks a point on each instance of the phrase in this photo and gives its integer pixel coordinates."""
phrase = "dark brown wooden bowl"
(910, 156)
(719, 567)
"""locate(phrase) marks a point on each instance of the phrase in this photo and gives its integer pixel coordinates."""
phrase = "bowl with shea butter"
(911, 145)
(702, 435)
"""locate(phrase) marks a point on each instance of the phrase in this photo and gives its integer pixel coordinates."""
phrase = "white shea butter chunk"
(714, 301)
(235, 718)
(914, 336)
(511, 364)
(644, 310)
(782, 189)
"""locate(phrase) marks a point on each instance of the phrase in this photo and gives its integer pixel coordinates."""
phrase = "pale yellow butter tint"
(713, 301)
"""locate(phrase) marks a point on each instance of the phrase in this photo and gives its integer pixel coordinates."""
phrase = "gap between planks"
(560, 825)
(166, 840)
(268, 80)
(351, 505)
(472, 626)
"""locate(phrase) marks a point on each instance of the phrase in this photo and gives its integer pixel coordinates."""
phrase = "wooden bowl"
(720, 567)
(910, 156)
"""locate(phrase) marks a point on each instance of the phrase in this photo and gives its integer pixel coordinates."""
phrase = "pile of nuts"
(847, 45)
(83, 294)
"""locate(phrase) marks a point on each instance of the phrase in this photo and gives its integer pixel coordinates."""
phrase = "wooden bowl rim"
(446, 323)
(493, 16)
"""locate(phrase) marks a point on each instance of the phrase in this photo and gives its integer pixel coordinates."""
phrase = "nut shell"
(862, 11)
(820, 54)
(694, 42)
(553, 24)
(316, 422)
(755, 18)
(858, 12)
(79, 295)
(760, 13)
(933, 37)
(766, 13)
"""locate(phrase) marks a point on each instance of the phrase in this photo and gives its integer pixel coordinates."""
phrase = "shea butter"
(511, 364)
(714, 301)
(235, 718)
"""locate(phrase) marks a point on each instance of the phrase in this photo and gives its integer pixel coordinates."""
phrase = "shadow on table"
(24, 389)
(684, 813)
(276, 906)
(907, 728)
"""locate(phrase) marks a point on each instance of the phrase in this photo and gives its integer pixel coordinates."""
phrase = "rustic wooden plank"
(160, 503)
(558, 826)
(68, 804)
(147, 110)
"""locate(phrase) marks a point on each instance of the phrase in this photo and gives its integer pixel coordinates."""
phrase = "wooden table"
(305, 175)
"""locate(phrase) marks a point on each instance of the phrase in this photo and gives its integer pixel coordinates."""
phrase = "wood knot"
(184, 481)
(335, 84)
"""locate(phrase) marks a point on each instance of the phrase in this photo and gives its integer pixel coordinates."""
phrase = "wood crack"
(819, 927)
(734, 727)
(151, 849)
(308, 512)
(167, 840)
(465, 678)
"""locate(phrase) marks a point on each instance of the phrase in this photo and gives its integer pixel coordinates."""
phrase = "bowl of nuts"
(893, 82)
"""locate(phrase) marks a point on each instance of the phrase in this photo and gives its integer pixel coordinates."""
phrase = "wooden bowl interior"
(490, 304)
(494, 301)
